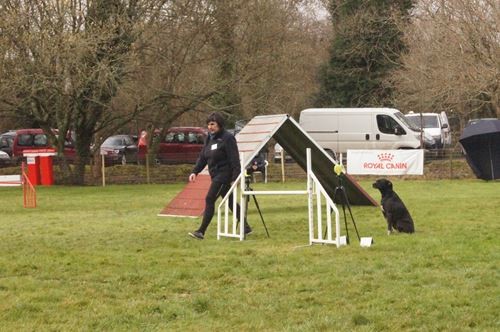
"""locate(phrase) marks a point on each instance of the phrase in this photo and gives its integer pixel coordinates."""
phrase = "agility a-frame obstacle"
(251, 139)
(228, 225)
(295, 141)
(321, 181)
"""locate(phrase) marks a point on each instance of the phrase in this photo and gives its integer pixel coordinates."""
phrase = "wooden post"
(147, 169)
(103, 170)
(451, 163)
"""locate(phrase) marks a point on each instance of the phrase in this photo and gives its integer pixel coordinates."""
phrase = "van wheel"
(124, 160)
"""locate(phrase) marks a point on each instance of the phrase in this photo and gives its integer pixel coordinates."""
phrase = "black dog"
(393, 208)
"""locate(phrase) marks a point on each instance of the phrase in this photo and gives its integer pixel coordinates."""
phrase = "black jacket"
(220, 152)
(259, 160)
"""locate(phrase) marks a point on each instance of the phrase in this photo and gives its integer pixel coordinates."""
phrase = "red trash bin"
(46, 169)
(40, 167)
(33, 169)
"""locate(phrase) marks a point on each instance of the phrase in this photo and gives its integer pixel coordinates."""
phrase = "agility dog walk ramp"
(294, 140)
(190, 202)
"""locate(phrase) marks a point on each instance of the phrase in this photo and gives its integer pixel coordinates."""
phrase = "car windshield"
(429, 121)
(404, 119)
(117, 141)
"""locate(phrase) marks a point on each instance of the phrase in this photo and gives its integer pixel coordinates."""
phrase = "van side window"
(195, 138)
(179, 137)
(40, 140)
(25, 140)
(191, 138)
(387, 125)
(169, 138)
(175, 137)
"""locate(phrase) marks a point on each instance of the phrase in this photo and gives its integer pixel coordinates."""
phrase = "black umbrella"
(481, 142)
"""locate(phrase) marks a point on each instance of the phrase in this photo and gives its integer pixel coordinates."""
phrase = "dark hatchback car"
(119, 149)
(7, 141)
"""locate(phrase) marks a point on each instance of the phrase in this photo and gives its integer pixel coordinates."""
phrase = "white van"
(339, 129)
(435, 124)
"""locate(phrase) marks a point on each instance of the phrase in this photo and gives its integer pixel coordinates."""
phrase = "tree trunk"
(82, 145)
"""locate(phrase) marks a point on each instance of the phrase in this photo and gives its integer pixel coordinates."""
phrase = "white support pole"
(235, 201)
(328, 222)
(226, 219)
(218, 223)
(242, 199)
(310, 197)
(234, 217)
(319, 216)
(277, 192)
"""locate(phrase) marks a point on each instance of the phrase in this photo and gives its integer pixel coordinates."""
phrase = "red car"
(35, 139)
(179, 145)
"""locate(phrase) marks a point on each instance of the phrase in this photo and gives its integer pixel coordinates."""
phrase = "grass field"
(91, 258)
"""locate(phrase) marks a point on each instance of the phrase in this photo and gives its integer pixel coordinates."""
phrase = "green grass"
(91, 258)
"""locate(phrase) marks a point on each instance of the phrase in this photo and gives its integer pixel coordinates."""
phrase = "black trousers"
(215, 191)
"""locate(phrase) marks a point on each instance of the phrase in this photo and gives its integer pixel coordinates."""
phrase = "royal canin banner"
(385, 162)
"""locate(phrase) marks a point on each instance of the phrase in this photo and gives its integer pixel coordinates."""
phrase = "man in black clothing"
(258, 164)
(220, 153)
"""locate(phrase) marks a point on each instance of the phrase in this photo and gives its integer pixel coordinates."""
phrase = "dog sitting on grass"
(395, 212)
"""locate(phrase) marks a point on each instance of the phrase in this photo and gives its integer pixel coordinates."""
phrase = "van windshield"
(404, 119)
(429, 121)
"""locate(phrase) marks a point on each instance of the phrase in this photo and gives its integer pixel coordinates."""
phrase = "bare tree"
(279, 57)
(62, 62)
(239, 57)
(93, 65)
(174, 67)
(275, 54)
(453, 60)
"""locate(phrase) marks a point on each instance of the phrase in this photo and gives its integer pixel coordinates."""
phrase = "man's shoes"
(197, 235)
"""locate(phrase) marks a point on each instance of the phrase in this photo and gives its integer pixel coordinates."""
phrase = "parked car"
(36, 139)
(434, 124)
(28, 139)
(428, 140)
(119, 149)
(178, 145)
(33, 139)
(4, 159)
(6, 142)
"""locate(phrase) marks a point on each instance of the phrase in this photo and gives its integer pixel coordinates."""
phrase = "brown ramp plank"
(190, 202)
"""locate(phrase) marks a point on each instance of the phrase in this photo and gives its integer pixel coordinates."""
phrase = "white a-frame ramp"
(294, 140)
